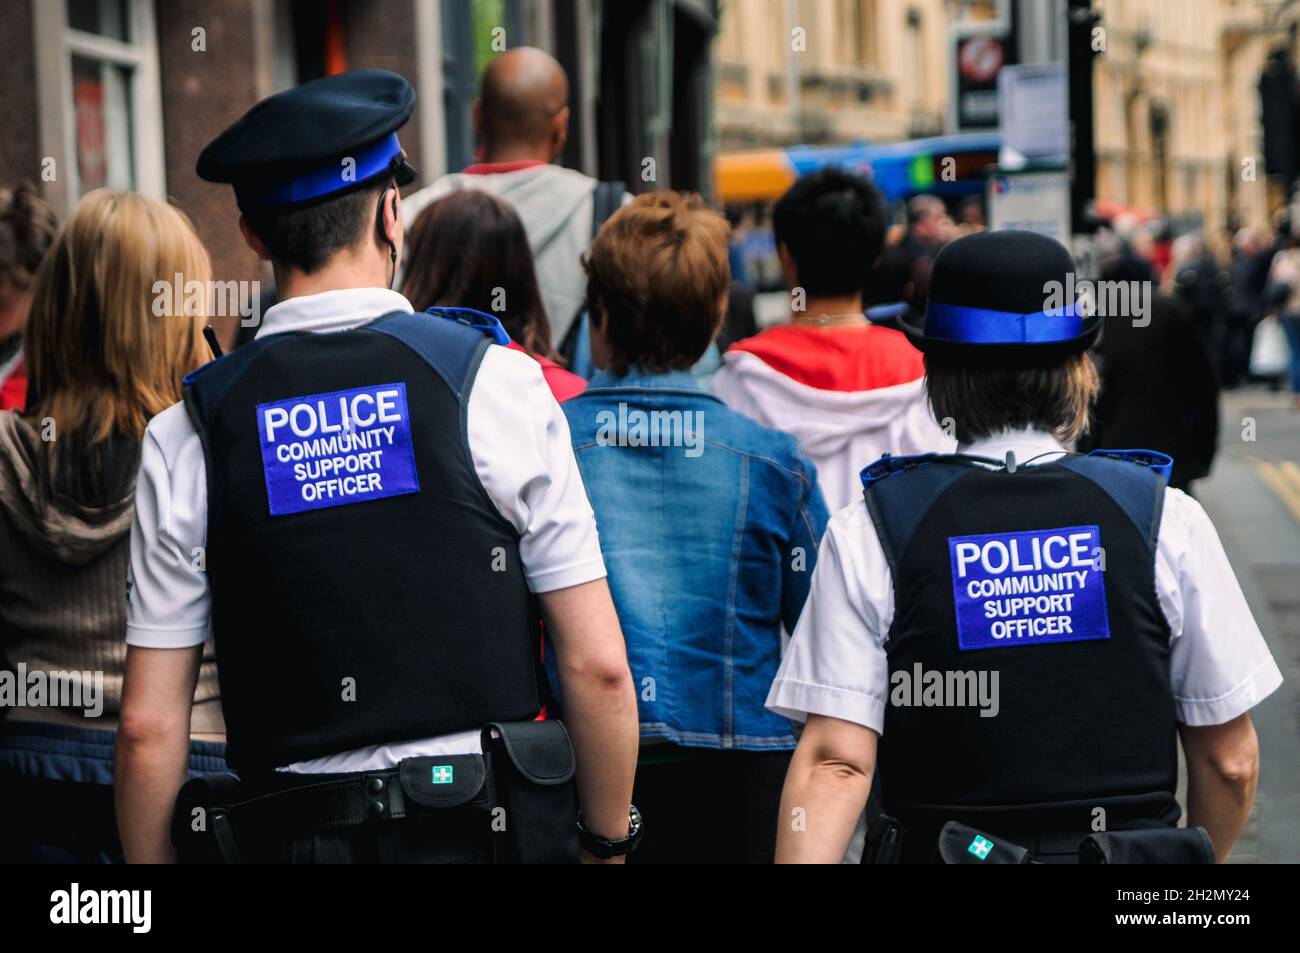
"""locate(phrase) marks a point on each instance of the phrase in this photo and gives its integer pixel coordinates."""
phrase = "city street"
(1253, 497)
(357, 505)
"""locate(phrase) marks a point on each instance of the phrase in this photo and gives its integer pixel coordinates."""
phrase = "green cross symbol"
(442, 773)
(980, 847)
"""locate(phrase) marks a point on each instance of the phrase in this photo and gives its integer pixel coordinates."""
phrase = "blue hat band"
(369, 162)
(967, 325)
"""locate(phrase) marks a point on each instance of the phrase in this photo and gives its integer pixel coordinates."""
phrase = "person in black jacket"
(1159, 389)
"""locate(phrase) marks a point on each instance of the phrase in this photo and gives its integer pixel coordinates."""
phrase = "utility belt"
(518, 794)
(959, 843)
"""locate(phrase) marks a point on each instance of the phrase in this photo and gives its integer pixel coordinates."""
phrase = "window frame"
(57, 108)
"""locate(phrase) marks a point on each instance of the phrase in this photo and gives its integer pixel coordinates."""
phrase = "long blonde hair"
(102, 356)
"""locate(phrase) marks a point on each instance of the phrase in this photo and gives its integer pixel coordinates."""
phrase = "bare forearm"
(1219, 804)
(1222, 771)
(820, 806)
(599, 701)
(601, 717)
(148, 773)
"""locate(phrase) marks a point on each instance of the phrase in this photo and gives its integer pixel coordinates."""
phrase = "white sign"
(1034, 112)
(1035, 201)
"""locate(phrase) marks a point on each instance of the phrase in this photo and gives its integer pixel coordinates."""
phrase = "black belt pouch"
(961, 844)
(201, 829)
(535, 812)
(1158, 845)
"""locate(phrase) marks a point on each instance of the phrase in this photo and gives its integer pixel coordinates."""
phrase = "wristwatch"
(603, 847)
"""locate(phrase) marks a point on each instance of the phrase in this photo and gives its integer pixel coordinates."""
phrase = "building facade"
(125, 93)
(820, 71)
(1178, 127)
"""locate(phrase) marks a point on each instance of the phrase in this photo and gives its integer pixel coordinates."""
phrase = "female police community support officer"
(1015, 636)
(363, 503)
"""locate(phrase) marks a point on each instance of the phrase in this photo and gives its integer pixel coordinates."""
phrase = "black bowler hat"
(314, 141)
(997, 299)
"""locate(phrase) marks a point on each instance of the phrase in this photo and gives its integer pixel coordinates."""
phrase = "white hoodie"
(556, 207)
(848, 395)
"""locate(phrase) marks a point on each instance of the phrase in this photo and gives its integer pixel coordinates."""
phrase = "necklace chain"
(826, 320)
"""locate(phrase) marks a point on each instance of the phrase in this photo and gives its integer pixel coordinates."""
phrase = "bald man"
(521, 119)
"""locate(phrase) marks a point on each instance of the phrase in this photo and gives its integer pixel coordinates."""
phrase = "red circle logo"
(980, 58)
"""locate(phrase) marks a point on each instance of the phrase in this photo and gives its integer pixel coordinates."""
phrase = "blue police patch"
(1028, 588)
(346, 446)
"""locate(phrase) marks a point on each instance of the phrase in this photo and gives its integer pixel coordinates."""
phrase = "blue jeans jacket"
(709, 525)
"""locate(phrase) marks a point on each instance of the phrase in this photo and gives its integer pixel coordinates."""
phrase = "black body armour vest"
(1046, 577)
(365, 589)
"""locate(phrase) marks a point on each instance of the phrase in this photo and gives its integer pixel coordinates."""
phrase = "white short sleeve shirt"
(836, 663)
(518, 439)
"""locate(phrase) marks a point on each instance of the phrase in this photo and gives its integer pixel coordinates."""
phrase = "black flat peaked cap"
(307, 131)
(988, 295)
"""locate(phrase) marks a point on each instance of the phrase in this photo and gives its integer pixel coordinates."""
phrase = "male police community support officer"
(362, 504)
(1101, 602)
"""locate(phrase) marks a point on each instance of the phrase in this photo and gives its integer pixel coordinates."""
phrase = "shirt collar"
(339, 310)
(1026, 444)
(635, 377)
(499, 168)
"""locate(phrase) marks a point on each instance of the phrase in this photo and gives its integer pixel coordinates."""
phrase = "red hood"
(846, 359)
(13, 389)
(563, 384)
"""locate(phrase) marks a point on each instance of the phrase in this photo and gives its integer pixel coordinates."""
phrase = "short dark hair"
(658, 269)
(833, 223)
(982, 402)
(470, 250)
(305, 237)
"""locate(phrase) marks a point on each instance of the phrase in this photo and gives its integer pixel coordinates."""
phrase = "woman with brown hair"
(709, 526)
(104, 353)
(470, 250)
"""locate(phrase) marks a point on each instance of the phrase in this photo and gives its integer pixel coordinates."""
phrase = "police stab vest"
(365, 588)
(1028, 655)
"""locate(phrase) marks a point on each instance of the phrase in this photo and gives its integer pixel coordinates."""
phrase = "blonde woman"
(101, 362)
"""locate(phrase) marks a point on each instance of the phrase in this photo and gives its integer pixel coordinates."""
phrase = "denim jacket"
(709, 525)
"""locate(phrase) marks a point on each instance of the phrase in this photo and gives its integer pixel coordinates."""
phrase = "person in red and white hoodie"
(848, 390)
(27, 227)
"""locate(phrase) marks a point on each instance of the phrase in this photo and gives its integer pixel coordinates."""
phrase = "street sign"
(1038, 201)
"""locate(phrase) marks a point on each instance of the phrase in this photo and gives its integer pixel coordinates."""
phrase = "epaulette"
(1161, 463)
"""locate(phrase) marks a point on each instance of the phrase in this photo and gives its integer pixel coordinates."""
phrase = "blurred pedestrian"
(848, 390)
(971, 216)
(1198, 278)
(521, 119)
(27, 227)
(1249, 272)
(1137, 241)
(1159, 390)
(1285, 275)
(468, 250)
(105, 356)
(708, 524)
(902, 273)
